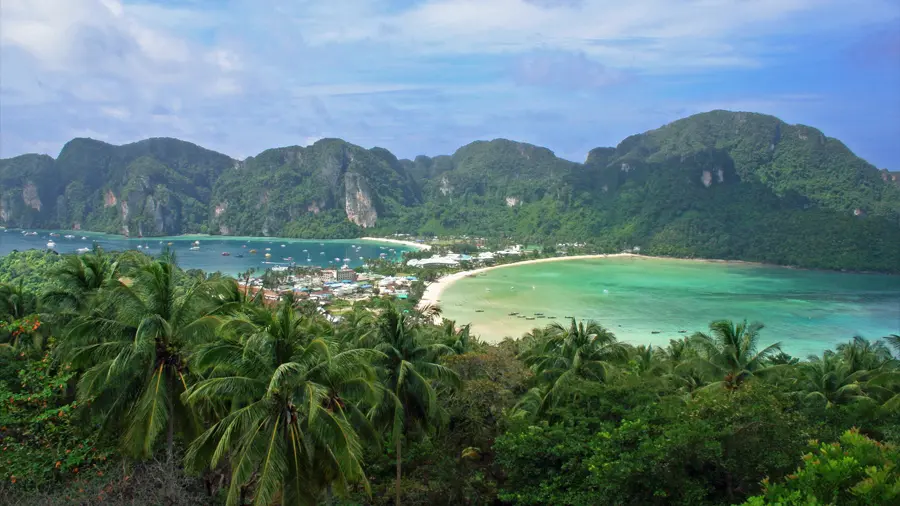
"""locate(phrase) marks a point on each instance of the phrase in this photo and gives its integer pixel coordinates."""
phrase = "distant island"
(727, 185)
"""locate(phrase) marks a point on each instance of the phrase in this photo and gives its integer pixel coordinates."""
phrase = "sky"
(428, 76)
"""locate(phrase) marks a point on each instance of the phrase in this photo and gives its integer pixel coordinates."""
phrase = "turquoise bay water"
(209, 256)
(808, 311)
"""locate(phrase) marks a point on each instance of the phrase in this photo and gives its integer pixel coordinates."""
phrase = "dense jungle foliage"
(719, 185)
(125, 380)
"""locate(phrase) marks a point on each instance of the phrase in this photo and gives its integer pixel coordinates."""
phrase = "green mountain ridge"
(722, 184)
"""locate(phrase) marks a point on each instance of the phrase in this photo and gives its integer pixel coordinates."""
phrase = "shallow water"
(209, 256)
(808, 311)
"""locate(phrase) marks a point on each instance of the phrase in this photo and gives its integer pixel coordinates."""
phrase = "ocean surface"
(209, 257)
(648, 301)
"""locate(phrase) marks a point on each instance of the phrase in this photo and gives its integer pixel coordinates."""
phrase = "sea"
(650, 301)
(209, 254)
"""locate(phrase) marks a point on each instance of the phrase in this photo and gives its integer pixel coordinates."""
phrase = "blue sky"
(427, 76)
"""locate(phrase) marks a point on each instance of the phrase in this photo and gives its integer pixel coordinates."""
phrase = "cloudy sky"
(426, 76)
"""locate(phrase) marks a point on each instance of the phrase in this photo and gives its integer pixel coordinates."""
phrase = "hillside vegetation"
(721, 184)
(125, 380)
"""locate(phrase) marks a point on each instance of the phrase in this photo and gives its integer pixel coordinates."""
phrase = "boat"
(321, 252)
(336, 259)
(226, 254)
(239, 256)
(83, 238)
(139, 246)
(655, 332)
(30, 234)
(513, 313)
(282, 245)
(168, 244)
(253, 252)
(304, 251)
(361, 258)
(321, 244)
(288, 259)
(244, 246)
(268, 255)
(346, 259)
(479, 310)
(69, 236)
(51, 244)
(268, 249)
(82, 250)
(195, 248)
(54, 234)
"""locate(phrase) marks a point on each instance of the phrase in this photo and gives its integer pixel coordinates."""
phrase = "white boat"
(51, 244)
(346, 259)
(196, 243)
(195, 248)
(83, 238)
(336, 259)
(82, 250)
(268, 249)
(282, 245)
(69, 236)
(139, 246)
(30, 234)
(321, 252)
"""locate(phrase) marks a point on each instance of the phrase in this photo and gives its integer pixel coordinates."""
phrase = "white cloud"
(116, 112)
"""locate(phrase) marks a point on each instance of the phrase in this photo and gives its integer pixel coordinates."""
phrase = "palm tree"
(645, 360)
(729, 352)
(830, 380)
(862, 354)
(583, 351)
(80, 277)
(133, 343)
(17, 302)
(459, 340)
(292, 408)
(894, 341)
(409, 373)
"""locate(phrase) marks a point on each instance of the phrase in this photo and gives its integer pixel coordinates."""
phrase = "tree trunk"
(397, 485)
(170, 433)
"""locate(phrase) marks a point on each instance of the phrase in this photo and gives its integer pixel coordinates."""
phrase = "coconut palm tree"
(581, 351)
(862, 354)
(729, 352)
(830, 380)
(17, 302)
(409, 374)
(79, 278)
(133, 344)
(290, 427)
(894, 341)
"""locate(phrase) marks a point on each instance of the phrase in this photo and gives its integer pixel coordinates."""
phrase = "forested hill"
(719, 184)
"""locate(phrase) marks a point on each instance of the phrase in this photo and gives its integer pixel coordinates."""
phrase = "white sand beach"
(432, 295)
(411, 244)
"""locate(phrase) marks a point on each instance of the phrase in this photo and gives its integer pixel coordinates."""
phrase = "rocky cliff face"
(336, 189)
(358, 201)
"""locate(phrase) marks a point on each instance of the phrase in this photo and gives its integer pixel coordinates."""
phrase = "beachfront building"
(434, 261)
(346, 274)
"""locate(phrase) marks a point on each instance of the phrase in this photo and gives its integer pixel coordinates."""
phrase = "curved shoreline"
(411, 244)
(433, 291)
